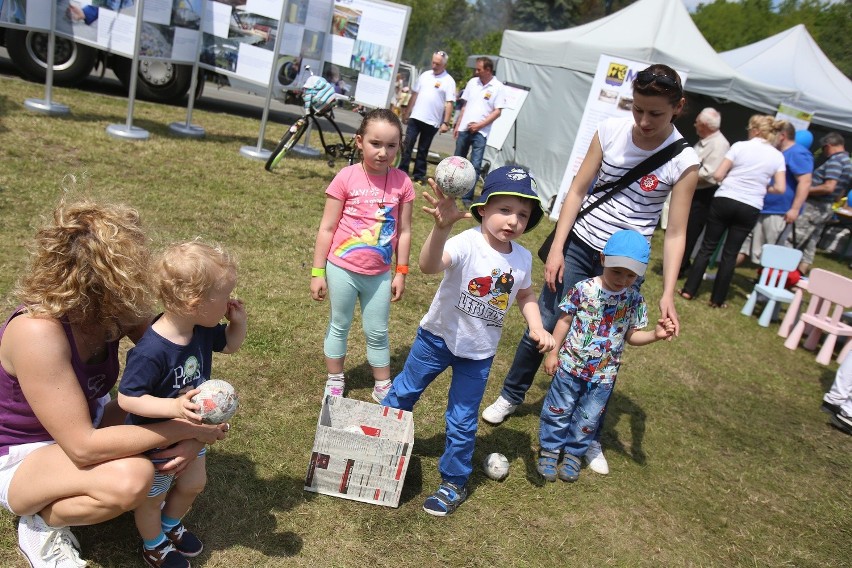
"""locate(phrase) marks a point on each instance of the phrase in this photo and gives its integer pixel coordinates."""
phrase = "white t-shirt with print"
(433, 94)
(639, 205)
(476, 293)
(480, 101)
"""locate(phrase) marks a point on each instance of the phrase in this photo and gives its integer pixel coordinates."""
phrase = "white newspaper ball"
(496, 466)
(217, 400)
(455, 176)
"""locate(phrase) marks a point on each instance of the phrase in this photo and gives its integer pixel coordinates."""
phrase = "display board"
(611, 95)
(171, 30)
(514, 97)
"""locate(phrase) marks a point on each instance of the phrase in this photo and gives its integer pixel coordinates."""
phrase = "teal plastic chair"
(777, 262)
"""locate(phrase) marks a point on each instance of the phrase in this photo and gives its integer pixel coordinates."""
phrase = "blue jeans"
(464, 143)
(426, 133)
(427, 359)
(572, 411)
(581, 262)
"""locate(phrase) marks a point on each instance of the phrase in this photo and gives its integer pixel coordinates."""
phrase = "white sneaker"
(499, 411)
(595, 459)
(44, 546)
(334, 387)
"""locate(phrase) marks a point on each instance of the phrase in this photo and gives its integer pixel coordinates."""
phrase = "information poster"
(106, 24)
(514, 97)
(171, 30)
(799, 118)
(14, 12)
(239, 37)
(611, 95)
(303, 43)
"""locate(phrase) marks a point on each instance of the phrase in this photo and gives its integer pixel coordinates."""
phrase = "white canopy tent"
(792, 60)
(558, 66)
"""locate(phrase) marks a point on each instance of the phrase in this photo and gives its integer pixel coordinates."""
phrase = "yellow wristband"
(318, 272)
(402, 269)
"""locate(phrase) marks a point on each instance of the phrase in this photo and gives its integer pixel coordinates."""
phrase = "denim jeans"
(466, 141)
(428, 358)
(573, 409)
(426, 133)
(581, 262)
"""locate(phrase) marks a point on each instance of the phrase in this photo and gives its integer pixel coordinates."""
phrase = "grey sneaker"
(44, 546)
(499, 411)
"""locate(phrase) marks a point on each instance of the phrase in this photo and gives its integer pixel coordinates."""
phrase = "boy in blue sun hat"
(599, 316)
(485, 272)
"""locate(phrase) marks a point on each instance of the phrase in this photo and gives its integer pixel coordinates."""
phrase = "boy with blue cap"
(484, 273)
(599, 316)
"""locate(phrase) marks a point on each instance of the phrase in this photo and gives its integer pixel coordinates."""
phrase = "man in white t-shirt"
(428, 112)
(484, 101)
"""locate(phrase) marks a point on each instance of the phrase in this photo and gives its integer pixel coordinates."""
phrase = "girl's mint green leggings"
(374, 293)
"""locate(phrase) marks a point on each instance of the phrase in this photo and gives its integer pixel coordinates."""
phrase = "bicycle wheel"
(287, 141)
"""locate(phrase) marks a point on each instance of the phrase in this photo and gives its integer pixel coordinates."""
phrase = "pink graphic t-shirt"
(366, 236)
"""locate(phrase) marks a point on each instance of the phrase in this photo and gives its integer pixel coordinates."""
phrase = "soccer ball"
(217, 401)
(496, 466)
(455, 176)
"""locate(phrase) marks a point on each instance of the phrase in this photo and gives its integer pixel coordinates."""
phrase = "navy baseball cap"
(510, 180)
(627, 249)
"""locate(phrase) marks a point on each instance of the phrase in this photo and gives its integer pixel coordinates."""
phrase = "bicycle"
(319, 102)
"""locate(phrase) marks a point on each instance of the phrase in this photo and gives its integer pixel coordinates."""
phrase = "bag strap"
(644, 167)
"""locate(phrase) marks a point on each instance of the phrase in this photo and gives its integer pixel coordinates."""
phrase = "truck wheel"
(159, 81)
(72, 62)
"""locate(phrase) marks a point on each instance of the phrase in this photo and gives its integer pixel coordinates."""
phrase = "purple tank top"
(18, 423)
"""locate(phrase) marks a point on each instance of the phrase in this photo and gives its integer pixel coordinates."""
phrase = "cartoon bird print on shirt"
(377, 237)
(479, 287)
(502, 288)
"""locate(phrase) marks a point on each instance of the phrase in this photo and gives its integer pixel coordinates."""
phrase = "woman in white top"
(748, 168)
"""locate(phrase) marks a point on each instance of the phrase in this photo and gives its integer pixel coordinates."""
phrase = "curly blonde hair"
(90, 264)
(766, 127)
(187, 271)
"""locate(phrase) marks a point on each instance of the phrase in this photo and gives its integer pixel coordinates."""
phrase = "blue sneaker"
(445, 500)
(185, 542)
(546, 465)
(569, 469)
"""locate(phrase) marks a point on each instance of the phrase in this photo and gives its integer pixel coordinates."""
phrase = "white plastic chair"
(777, 262)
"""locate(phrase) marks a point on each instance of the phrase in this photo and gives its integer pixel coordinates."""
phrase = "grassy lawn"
(718, 452)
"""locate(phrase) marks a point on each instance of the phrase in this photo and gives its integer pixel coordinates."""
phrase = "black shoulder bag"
(646, 166)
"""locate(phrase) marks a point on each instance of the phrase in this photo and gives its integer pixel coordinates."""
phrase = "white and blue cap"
(627, 249)
(510, 180)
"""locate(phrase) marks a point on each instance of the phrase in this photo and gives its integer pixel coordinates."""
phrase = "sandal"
(445, 500)
(569, 469)
(684, 295)
(722, 306)
(546, 466)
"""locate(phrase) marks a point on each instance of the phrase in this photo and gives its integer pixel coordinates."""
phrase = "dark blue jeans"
(475, 144)
(425, 132)
(581, 262)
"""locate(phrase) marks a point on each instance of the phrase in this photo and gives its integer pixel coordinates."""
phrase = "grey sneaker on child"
(499, 411)
(44, 546)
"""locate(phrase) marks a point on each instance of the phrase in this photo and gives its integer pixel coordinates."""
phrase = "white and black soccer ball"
(496, 466)
(455, 176)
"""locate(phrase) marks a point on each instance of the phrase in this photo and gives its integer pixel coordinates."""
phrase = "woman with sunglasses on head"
(618, 145)
(743, 176)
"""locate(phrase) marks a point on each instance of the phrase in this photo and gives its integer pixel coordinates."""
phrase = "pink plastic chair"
(831, 294)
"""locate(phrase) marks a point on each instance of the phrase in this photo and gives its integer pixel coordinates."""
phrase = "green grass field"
(719, 455)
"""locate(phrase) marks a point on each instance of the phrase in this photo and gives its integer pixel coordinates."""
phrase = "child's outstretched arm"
(328, 225)
(560, 332)
(235, 332)
(151, 406)
(528, 305)
(433, 259)
(664, 329)
(403, 250)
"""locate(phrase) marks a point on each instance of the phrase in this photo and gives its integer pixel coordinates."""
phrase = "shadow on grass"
(236, 497)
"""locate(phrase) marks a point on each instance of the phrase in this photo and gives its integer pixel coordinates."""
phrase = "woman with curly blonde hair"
(66, 458)
(743, 176)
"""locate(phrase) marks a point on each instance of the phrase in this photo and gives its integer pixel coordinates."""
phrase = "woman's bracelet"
(402, 269)
(320, 272)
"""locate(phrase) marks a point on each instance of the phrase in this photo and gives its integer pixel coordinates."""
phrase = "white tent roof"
(793, 60)
(558, 66)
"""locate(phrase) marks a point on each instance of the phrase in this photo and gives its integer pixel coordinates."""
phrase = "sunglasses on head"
(441, 53)
(645, 78)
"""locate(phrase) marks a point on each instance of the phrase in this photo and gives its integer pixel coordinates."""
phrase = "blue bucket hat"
(627, 249)
(510, 180)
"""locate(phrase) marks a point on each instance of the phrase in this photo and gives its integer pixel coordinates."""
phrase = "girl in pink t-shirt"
(367, 219)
